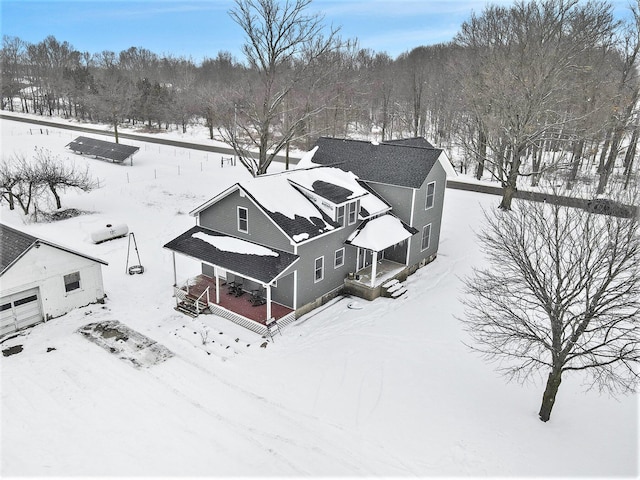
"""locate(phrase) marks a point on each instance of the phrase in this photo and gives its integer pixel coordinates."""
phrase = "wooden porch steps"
(192, 307)
(394, 289)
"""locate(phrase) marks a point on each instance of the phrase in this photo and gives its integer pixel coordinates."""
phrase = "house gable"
(222, 216)
(303, 208)
(16, 244)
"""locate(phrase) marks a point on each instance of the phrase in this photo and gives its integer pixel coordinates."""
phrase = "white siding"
(45, 267)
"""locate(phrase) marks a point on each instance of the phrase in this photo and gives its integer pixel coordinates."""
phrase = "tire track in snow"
(350, 462)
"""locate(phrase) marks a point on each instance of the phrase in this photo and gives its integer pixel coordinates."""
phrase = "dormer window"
(243, 220)
(352, 213)
(340, 215)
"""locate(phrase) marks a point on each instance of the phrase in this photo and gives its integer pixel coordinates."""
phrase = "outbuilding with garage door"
(40, 280)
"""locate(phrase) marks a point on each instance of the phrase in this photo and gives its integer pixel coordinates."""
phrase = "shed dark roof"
(14, 244)
(264, 268)
(400, 162)
(100, 148)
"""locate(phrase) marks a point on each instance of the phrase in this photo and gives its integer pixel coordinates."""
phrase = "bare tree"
(10, 178)
(11, 58)
(284, 43)
(625, 103)
(58, 176)
(26, 181)
(29, 181)
(114, 98)
(561, 294)
(517, 87)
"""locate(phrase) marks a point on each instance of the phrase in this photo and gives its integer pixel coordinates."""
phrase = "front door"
(365, 257)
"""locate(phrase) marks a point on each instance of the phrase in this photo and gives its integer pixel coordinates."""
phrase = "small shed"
(40, 280)
(116, 152)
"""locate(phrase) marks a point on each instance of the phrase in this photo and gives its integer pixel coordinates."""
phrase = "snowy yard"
(388, 389)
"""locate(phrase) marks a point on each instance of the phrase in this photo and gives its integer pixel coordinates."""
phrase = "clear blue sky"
(201, 28)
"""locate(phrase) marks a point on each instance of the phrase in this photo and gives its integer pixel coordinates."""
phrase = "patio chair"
(256, 298)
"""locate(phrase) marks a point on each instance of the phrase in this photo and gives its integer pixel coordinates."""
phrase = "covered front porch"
(383, 250)
(238, 308)
(238, 279)
(374, 276)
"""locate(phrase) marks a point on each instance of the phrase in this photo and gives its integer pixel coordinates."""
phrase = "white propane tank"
(109, 232)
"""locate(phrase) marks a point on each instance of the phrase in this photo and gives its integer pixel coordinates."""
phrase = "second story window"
(431, 195)
(340, 215)
(352, 213)
(243, 220)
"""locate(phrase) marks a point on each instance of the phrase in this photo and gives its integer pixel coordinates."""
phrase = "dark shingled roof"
(394, 163)
(14, 244)
(333, 193)
(411, 142)
(264, 268)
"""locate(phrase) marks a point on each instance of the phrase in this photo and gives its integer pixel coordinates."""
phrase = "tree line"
(522, 90)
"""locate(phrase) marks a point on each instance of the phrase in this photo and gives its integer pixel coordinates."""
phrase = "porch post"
(295, 289)
(215, 271)
(175, 279)
(374, 267)
(268, 301)
(406, 262)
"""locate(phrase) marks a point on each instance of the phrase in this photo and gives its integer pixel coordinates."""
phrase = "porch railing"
(180, 294)
(199, 299)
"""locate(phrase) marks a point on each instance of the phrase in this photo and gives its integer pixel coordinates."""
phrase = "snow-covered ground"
(388, 389)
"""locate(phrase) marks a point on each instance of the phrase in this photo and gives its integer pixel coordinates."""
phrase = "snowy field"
(385, 390)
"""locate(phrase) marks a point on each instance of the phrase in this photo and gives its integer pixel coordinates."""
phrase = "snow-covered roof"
(235, 245)
(236, 255)
(15, 244)
(380, 233)
(372, 205)
(293, 199)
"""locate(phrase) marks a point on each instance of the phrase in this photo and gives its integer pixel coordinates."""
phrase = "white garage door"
(19, 310)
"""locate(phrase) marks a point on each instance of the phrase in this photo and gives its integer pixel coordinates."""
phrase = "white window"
(72, 282)
(340, 215)
(319, 269)
(431, 195)
(352, 213)
(426, 237)
(338, 260)
(243, 220)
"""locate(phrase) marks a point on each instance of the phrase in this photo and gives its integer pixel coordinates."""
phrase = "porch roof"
(381, 232)
(234, 254)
